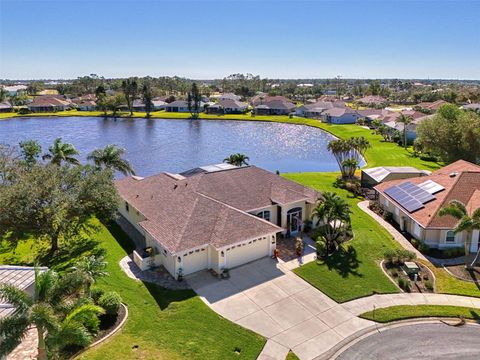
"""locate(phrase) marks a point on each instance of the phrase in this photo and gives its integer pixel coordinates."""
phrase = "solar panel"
(410, 196)
(431, 186)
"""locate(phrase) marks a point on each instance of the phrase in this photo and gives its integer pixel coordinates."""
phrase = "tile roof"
(273, 102)
(49, 100)
(184, 212)
(461, 181)
(372, 99)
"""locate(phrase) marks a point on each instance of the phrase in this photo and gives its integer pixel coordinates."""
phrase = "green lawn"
(447, 284)
(353, 272)
(381, 154)
(403, 312)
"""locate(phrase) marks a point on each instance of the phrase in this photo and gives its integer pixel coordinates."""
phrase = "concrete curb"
(348, 342)
(110, 334)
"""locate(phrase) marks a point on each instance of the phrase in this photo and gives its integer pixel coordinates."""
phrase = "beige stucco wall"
(273, 212)
(133, 215)
(285, 209)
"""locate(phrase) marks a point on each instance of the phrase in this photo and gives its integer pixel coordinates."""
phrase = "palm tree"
(350, 166)
(405, 120)
(110, 157)
(58, 325)
(465, 223)
(62, 152)
(237, 159)
(90, 269)
(333, 214)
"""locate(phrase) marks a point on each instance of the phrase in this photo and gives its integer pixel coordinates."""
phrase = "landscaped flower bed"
(409, 275)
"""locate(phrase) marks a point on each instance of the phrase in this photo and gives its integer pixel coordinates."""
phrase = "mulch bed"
(424, 275)
(462, 273)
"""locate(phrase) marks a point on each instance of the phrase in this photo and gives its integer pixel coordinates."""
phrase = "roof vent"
(453, 174)
(175, 186)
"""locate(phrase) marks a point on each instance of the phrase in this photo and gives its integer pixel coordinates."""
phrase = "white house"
(339, 115)
(414, 204)
(180, 106)
(212, 217)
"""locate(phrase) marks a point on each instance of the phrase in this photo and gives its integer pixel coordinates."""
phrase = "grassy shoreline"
(380, 154)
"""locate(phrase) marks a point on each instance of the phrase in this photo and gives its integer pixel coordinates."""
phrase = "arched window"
(264, 215)
(450, 236)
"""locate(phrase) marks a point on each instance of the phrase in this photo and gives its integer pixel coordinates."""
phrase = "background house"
(374, 176)
(272, 105)
(49, 103)
(227, 106)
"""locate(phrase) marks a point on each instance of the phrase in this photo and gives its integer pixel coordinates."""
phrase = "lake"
(176, 145)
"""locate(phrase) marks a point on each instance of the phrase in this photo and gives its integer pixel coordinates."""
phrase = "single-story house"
(340, 115)
(430, 106)
(229, 96)
(212, 217)
(49, 103)
(392, 122)
(14, 89)
(5, 106)
(374, 176)
(23, 278)
(272, 105)
(414, 204)
(86, 102)
(181, 106)
(227, 106)
(373, 100)
(314, 110)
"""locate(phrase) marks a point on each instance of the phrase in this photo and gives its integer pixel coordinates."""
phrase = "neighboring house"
(391, 121)
(6, 107)
(23, 278)
(212, 217)
(373, 100)
(49, 103)
(138, 105)
(272, 105)
(86, 102)
(314, 110)
(159, 105)
(227, 106)
(473, 107)
(374, 176)
(430, 106)
(14, 89)
(229, 96)
(415, 203)
(181, 106)
(338, 115)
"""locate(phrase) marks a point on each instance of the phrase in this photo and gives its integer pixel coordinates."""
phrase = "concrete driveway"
(279, 305)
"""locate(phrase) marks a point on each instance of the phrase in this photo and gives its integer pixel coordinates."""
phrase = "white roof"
(381, 172)
(218, 167)
(431, 186)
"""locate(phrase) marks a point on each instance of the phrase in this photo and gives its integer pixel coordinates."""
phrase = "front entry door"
(475, 240)
(294, 220)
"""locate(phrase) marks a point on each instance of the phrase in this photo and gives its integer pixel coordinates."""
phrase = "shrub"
(404, 284)
(429, 285)
(320, 245)
(390, 255)
(23, 111)
(110, 301)
(415, 243)
(454, 252)
(388, 216)
(423, 248)
(394, 273)
(96, 293)
(405, 255)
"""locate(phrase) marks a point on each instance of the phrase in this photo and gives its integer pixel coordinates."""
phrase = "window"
(450, 237)
(264, 215)
(127, 207)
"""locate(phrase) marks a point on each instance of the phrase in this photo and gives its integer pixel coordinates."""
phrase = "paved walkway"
(158, 275)
(27, 349)
(394, 232)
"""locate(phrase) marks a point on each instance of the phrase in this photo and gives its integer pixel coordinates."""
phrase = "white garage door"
(242, 254)
(195, 261)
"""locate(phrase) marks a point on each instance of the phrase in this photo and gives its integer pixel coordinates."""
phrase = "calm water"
(177, 145)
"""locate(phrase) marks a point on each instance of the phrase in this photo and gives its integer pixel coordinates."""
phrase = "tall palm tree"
(62, 152)
(333, 214)
(237, 159)
(111, 157)
(55, 330)
(350, 166)
(465, 223)
(405, 120)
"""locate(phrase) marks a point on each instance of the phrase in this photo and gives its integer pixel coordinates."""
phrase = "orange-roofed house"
(415, 203)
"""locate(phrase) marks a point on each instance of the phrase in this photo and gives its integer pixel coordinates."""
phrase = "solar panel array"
(409, 196)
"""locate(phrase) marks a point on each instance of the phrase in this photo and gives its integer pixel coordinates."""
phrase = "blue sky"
(212, 39)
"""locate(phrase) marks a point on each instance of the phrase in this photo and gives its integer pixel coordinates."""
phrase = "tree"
(147, 98)
(110, 157)
(451, 134)
(35, 87)
(61, 152)
(333, 214)
(130, 89)
(348, 153)
(58, 324)
(30, 150)
(3, 94)
(56, 203)
(237, 159)
(90, 269)
(466, 223)
(405, 120)
(100, 91)
(194, 98)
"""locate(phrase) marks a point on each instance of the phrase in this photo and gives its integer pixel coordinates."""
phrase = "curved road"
(421, 341)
